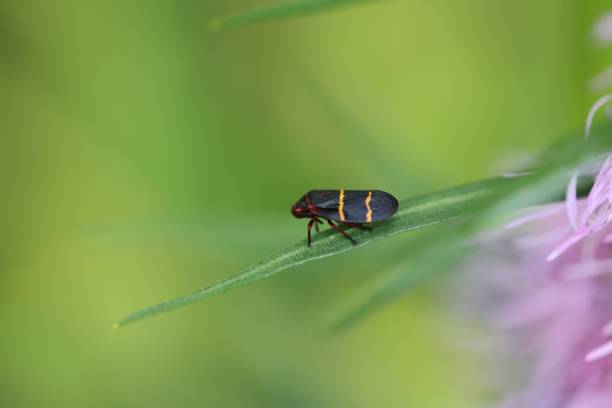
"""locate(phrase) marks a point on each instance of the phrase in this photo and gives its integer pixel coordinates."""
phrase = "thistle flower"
(556, 313)
(558, 309)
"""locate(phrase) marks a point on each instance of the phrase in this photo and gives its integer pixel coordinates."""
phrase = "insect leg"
(335, 227)
(318, 221)
(310, 228)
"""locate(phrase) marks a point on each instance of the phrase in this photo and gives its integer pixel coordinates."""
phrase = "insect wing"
(383, 205)
(357, 206)
(324, 199)
(361, 206)
(354, 206)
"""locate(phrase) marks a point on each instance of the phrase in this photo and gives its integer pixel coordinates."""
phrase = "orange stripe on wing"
(367, 204)
(341, 206)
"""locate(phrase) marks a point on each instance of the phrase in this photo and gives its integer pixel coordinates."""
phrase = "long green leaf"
(487, 199)
(414, 213)
(284, 9)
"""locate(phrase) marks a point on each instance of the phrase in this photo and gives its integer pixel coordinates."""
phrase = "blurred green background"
(143, 157)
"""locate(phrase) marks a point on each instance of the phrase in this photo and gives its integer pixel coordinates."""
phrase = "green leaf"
(285, 9)
(414, 213)
(488, 199)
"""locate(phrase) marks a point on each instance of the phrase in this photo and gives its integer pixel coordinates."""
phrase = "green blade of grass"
(488, 199)
(284, 9)
(414, 213)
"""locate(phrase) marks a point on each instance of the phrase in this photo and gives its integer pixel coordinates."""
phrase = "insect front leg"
(312, 221)
(335, 227)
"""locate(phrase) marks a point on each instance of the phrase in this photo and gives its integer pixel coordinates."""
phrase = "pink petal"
(534, 216)
(565, 245)
(599, 353)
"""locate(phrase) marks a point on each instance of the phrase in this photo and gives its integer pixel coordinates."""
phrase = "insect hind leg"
(335, 227)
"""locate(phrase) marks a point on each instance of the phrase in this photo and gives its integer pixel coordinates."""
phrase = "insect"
(354, 208)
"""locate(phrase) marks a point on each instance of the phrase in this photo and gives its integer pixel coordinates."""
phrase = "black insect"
(354, 208)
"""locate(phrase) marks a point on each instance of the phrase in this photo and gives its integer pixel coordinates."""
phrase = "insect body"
(355, 208)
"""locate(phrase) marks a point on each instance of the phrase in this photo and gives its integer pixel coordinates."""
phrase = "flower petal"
(565, 245)
(599, 353)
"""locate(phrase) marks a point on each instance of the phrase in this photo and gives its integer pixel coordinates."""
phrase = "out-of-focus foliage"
(143, 155)
(279, 10)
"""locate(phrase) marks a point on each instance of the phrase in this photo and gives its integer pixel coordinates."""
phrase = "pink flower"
(549, 278)
(557, 312)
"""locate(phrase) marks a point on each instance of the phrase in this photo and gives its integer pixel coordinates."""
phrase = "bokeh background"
(144, 156)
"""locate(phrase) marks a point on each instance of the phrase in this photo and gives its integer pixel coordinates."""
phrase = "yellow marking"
(341, 206)
(367, 203)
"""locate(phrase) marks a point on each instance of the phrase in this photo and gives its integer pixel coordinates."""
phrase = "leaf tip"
(116, 326)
